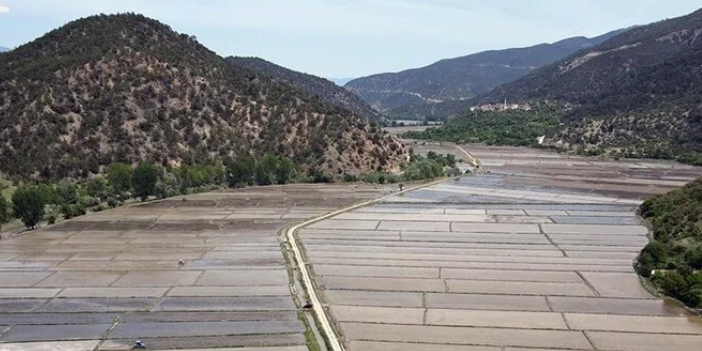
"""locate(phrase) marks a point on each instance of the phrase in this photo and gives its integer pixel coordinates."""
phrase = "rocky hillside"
(127, 88)
(413, 93)
(327, 91)
(638, 93)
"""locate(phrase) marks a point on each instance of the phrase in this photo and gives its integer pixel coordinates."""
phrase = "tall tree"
(144, 180)
(28, 203)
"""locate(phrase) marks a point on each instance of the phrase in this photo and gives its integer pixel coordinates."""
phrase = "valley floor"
(534, 254)
(201, 273)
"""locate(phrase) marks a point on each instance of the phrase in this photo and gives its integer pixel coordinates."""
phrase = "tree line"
(34, 202)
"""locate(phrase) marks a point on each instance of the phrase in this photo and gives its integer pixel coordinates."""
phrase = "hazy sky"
(351, 38)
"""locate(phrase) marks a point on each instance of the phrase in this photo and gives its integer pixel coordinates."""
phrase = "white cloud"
(4, 9)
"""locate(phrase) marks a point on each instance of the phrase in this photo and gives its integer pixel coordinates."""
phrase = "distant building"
(501, 107)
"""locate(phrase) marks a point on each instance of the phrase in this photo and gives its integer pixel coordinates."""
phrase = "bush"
(350, 178)
(120, 177)
(693, 258)
(73, 210)
(67, 193)
(97, 187)
(424, 169)
(52, 219)
(4, 211)
(266, 170)
(112, 202)
(240, 172)
(673, 284)
(656, 253)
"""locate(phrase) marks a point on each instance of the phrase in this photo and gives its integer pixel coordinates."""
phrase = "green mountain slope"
(444, 87)
(126, 88)
(636, 94)
(326, 91)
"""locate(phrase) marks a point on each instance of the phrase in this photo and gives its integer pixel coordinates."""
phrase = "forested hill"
(415, 92)
(325, 90)
(128, 88)
(640, 90)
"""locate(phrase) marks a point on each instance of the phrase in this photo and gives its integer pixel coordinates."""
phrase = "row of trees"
(32, 203)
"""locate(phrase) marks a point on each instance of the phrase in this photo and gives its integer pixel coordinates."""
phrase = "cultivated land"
(534, 255)
(197, 274)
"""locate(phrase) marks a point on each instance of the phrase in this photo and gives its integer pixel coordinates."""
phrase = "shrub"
(240, 172)
(673, 284)
(112, 202)
(350, 178)
(693, 257)
(4, 211)
(120, 177)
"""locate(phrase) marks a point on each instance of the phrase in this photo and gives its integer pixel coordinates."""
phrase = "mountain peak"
(128, 88)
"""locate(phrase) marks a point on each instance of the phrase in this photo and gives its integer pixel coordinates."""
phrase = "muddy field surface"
(198, 272)
(533, 252)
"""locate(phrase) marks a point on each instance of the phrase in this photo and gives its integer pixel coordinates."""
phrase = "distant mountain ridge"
(639, 93)
(327, 91)
(415, 93)
(4, 49)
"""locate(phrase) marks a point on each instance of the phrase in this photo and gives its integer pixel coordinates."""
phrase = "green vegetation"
(4, 212)
(675, 253)
(34, 202)
(134, 108)
(29, 203)
(120, 176)
(519, 128)
(419, 168)
(144, 180)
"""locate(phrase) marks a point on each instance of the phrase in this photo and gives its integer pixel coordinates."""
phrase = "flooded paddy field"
(200, 272)
(534, 252)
